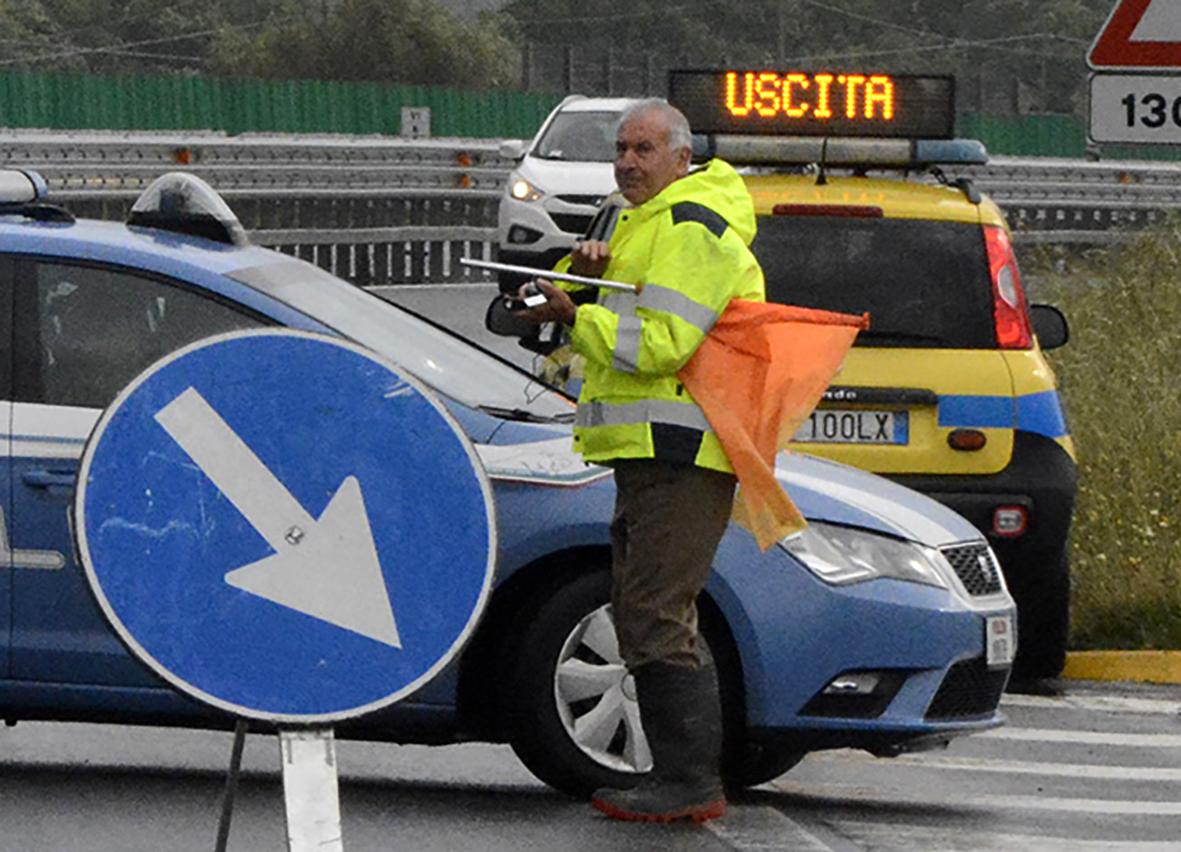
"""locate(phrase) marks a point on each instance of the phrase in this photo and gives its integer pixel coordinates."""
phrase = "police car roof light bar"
(549, 273)
(23, 193)
(18, 186)
(185, 204)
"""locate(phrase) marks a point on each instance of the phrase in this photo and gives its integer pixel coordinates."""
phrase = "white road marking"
(859, 793)
(1052, 735)
(762, 829)
(1014, 767)
(932, 839)
(1100, 703)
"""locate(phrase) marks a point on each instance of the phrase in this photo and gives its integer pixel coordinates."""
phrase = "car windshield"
(451, 365)
(585, 137)
(924, 283)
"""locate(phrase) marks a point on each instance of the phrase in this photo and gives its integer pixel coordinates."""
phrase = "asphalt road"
(1095, 768)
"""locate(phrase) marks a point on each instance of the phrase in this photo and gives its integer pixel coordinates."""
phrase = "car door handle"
(43, 478)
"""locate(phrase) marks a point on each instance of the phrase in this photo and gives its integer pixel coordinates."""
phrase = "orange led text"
(819, 96)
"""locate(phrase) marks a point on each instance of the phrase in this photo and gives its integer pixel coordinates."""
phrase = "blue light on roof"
(961, 152)
(18, 186)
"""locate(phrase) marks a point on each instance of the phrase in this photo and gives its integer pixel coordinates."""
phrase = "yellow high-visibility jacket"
(689, 248)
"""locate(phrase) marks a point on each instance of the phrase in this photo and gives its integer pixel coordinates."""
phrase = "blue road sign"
(285, 526)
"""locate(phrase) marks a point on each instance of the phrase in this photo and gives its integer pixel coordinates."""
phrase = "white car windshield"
(447, 363)
(585, 137)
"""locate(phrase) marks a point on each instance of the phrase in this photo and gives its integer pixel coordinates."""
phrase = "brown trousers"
(669, 519)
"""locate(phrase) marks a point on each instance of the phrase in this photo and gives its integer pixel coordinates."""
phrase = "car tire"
(570, 630)
(1043, 623)
(582, 732)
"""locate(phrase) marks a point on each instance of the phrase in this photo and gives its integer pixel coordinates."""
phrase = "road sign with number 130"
(1135, 108)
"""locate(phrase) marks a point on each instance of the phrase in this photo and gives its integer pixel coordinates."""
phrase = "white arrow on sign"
(351, 593)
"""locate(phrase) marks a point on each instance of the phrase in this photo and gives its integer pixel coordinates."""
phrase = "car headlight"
(843, 555)
(522, 190)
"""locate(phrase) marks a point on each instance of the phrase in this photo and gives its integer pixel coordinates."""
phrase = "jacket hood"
(717, 186)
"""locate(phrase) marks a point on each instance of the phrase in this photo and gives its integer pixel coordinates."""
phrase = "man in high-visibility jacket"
(684, 239)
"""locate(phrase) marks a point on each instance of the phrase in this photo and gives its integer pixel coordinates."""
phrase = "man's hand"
(558, 307)
(590, 258)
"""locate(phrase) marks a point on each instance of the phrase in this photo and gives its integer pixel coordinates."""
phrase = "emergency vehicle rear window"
(925, 284)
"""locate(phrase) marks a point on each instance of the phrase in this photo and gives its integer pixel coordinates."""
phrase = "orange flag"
(757, 376)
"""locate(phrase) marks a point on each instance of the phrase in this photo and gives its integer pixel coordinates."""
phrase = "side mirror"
(1049, 324)
(498, 319)
(512, 149)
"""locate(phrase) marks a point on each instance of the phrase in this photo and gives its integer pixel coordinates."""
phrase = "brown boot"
(682, 718)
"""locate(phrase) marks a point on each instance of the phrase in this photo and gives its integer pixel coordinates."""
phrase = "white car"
(561, 178)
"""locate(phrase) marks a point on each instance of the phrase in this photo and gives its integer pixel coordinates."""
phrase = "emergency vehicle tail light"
(968, 440)
(1009, 521)
(185, 204)
(1010, 311)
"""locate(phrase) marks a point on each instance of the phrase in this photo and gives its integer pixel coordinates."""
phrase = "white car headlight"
(843, 555)
(522, 190)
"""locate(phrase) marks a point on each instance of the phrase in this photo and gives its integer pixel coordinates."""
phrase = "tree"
(1038, 44)
(405, 41)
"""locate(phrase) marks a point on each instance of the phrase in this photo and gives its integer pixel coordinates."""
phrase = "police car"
(948, 392)
(884, 626)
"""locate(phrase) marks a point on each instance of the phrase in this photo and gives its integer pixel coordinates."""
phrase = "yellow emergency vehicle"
(948, 391)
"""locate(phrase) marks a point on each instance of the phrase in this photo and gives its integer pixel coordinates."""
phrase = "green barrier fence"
(89, 102)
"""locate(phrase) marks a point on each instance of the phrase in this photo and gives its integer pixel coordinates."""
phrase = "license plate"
(854, 426)
(1000, 640)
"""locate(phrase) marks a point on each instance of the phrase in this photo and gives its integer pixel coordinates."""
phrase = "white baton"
(546, 273)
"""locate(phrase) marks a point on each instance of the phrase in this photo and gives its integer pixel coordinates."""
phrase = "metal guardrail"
(387, 210)
(128, 161)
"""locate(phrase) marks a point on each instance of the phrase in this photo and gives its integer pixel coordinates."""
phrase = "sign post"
(267, 518)
(1130, 103)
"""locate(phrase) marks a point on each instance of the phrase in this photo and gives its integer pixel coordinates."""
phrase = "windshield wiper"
(525, 414)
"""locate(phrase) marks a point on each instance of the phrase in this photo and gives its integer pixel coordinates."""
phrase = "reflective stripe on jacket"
(689, 248)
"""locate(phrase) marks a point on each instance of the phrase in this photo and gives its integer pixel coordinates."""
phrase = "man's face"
(644, 162)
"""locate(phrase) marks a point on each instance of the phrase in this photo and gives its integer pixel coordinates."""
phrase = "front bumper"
(795, 635)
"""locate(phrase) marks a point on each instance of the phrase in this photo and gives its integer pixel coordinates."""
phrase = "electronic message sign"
(832, 102)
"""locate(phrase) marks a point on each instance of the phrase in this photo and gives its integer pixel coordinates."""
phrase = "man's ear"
(684, 156)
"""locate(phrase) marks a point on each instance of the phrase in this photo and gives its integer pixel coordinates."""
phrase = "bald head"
(652, 149)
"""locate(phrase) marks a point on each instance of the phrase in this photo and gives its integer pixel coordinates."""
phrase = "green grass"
(1120, 376)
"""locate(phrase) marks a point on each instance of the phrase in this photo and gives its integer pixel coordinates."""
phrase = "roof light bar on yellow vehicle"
(849, 152)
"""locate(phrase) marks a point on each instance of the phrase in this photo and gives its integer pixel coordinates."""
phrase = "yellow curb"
(1146, 666)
